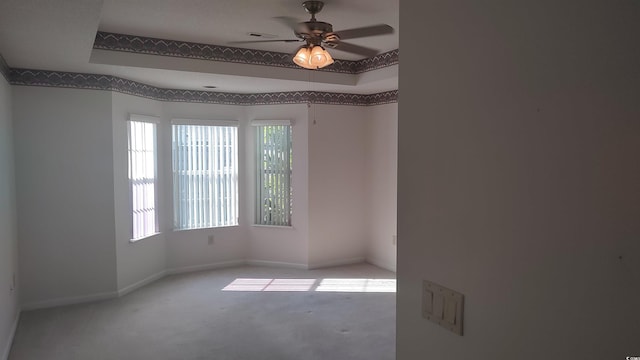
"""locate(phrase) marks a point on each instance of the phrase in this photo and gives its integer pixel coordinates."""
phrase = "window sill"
(206, 228)
(133, 241)
(274, 226)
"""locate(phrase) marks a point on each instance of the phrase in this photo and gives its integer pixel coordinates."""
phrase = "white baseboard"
(112, 295)
(218, 265)
(69, 300)
(387, 265)
(339, 262)
(127, 289)
(225, 264)
(12, 334)
(276, 264)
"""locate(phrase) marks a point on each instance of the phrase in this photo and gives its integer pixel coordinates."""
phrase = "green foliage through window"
(274, 160)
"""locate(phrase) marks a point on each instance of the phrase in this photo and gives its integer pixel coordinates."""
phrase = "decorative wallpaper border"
(379, 61)
(153, 46)
(61, 79)
(4, 68)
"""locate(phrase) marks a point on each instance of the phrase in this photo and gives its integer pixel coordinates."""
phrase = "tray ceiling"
(39, 34)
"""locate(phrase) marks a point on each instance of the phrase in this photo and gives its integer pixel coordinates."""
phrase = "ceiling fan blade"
(356, 49)
(291, 23)
(374, 30)
(262, 41)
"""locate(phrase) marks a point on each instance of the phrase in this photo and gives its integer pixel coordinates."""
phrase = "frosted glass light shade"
(302, 58)
(318, 57)
(329, 60)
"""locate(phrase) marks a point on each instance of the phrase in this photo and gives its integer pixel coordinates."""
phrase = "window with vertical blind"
(142, 175)
(205, 173)
(273, 172)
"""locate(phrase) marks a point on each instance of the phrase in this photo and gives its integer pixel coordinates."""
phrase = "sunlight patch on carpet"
(304, 285)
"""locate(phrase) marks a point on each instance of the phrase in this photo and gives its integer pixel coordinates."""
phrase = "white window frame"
(259, 211)
(179, 212)
(135, 118)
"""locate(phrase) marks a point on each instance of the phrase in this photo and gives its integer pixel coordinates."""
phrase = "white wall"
(518, 177)
(337, 196)
(64, 177)
(278, 245)
(189, 249)
(9, 306)
(146, 258)
(381, 184)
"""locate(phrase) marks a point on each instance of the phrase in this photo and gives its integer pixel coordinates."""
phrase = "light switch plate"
(442, 306)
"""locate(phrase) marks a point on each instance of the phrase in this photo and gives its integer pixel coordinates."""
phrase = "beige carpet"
(239, 313)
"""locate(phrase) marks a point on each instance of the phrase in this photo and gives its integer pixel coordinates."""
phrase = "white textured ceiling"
(58, 35)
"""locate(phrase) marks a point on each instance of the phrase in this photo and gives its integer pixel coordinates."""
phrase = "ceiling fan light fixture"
(312, 57)
(314, 33)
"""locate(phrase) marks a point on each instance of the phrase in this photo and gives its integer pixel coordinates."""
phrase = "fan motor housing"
(313, 28)
(316, 32)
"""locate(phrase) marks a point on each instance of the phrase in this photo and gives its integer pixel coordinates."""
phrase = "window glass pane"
(205, 176)
(142, 178)
(274, 164)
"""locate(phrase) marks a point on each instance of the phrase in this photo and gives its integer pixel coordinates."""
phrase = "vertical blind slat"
(229, 179)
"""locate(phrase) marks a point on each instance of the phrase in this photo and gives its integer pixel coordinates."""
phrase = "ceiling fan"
(319, 34)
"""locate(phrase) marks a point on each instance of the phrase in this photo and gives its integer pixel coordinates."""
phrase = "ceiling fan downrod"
(313, 7)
